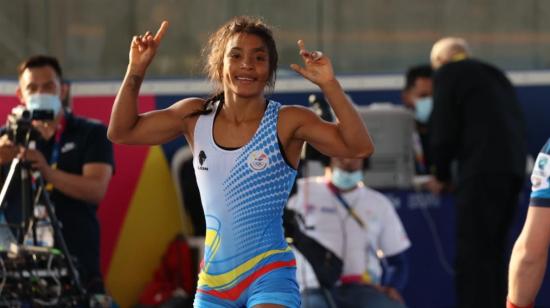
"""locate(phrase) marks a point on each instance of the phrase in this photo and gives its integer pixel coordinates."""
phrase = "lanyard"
(350, 210)
(56, 150)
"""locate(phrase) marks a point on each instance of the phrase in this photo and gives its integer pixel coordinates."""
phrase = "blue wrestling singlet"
(243, 191)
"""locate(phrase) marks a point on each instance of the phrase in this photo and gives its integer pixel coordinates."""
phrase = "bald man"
(477, 121)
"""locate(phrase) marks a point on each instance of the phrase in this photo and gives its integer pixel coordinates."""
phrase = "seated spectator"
(362, 228)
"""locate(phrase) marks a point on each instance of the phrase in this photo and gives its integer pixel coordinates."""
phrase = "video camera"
(19, 124)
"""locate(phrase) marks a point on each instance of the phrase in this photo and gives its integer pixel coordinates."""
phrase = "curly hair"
(217, 42)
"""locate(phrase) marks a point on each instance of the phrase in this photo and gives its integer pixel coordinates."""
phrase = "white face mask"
(346, 180)
(44, 102)
(423, 109)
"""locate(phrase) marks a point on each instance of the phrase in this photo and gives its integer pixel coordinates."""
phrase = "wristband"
(509, 304)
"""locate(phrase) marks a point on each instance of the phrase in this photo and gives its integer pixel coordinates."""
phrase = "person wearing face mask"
(417, 96)
(74, 158)
(359, 225)
(477, 121)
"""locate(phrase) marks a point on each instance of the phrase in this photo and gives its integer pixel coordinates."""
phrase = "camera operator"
(72, 155)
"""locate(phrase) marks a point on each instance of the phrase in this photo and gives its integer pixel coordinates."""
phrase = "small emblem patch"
(258, 160)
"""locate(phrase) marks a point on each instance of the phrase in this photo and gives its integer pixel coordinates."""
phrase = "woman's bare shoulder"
(296, 113)
(187, 106)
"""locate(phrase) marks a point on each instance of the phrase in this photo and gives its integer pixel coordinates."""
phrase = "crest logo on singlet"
(258, 160)
(202, 159)
(542, 163)
(542, 166)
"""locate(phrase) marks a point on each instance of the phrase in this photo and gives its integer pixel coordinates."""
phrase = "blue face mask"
(423, 109)
(44, 102)
(346, 180)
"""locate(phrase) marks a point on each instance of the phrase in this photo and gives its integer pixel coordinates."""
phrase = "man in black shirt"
(477, 120)
(417, 96)
(74, 158)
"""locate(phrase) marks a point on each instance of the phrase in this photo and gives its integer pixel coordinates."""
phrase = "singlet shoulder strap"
(203, 128)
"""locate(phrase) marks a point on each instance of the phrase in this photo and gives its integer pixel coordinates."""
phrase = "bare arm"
(348, 137)
(529, 257)
(127, 125)
(90, 186)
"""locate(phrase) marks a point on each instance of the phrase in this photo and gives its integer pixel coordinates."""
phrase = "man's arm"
(395, 277)
(91, 183)
(91, 186)
(444, 124)
(394, 242)
(396, 272)
(529, 257)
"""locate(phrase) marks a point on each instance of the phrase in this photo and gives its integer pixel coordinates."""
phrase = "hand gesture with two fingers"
(144, 47)
(317, 67)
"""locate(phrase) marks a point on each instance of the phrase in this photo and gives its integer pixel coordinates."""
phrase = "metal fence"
(91, 37)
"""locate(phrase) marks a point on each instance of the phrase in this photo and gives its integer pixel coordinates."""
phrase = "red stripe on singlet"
(234, 293)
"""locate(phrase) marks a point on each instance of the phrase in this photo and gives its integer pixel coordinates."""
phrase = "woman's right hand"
(317, 67)
(143, 49)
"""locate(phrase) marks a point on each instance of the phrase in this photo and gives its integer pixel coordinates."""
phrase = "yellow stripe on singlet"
(212, 240)
(215, 281)
(210, 237)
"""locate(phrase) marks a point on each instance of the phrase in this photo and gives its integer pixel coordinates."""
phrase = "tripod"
(27, 212)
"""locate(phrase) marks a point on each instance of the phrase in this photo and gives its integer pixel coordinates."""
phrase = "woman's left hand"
(317, 67)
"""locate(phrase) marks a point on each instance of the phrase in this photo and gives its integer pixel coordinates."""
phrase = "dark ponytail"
(208, 105)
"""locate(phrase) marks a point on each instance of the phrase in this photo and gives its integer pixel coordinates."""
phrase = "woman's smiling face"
(245, 65)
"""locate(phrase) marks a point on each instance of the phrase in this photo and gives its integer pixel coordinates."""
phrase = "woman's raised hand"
(144, 47)
(317, 67)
